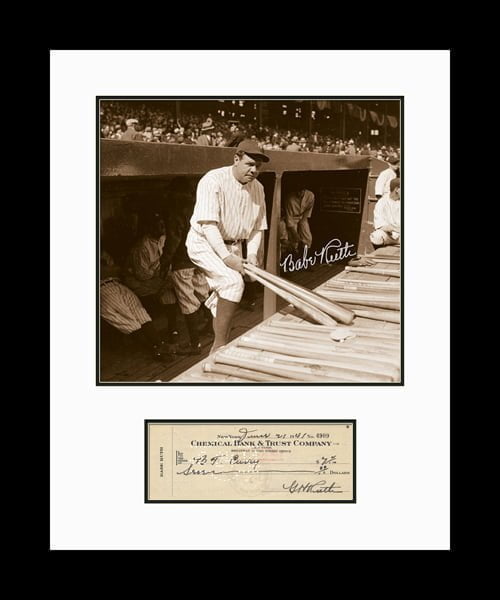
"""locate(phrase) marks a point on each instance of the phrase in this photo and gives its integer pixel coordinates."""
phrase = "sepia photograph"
(249, 240)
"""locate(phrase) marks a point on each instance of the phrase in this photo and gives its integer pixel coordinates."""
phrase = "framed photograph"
(250, 240)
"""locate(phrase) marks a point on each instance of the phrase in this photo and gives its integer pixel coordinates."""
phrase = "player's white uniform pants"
(382, 238)
(190, 288)
(223, 282)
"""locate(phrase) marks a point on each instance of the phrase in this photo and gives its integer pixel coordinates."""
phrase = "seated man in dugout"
(142, 275)
(123, 310)
(387, 217)
(189, 283)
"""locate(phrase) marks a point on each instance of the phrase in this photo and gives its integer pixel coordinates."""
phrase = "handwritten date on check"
(250, 461)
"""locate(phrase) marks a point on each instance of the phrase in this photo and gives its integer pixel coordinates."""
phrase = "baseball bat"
(349, 370)
(362, 304)
(319, 351)
(327, 345)
(326, 337)
(382, 255)
(339, 313)
(344, 295)
(383, 259)
(210, 377)
(326, 334)
(384, 272)
(222, 369)
(327, 368)
(311, 311)
(296, 373)
(379, 315)
(357, 362)
(367, 282)
(362, 286)
(302, 326)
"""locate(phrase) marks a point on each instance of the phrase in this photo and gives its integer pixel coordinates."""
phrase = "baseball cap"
(130, 122)
(393, 160)
(251, 148)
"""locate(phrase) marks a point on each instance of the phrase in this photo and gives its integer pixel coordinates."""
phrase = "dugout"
(135, 178)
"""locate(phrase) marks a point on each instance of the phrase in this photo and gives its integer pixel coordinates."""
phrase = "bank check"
(250, 461)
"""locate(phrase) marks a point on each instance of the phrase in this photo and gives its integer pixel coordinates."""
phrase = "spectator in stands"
(131, 135)
(386, 217)
(157, 134)
(187, 130)
(266, 144)
(275, 142)
(188, 137)
(294, 146)
(205, 139)
(116, 134)
(351, 147)
(235, 138)
(385, 177)
(303, 147)
(219, 139)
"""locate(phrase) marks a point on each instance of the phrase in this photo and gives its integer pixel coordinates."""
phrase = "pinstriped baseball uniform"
(189, 283)
(238, 210)
(142, 270)
(190, 288)
(120, 307)
(297, 212)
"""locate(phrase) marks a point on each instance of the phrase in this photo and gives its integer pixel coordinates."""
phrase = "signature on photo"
(333, 251)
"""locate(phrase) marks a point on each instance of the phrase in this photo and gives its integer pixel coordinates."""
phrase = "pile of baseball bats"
(284, 351)
(319, 309)
(327, 307)
(290, 352)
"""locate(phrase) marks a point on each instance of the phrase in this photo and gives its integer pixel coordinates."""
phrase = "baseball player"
(384, 179)
(122, 309)
(386, 217)
(189, 283)
(142, 273)
(230, 207)
(298, 210)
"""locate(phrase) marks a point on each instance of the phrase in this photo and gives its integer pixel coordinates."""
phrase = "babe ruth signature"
(334, 251)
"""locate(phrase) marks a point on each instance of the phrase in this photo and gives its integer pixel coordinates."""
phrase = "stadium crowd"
(147, 124)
